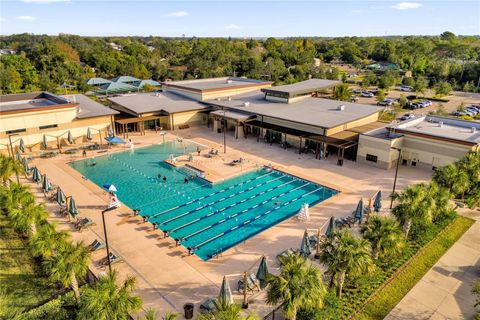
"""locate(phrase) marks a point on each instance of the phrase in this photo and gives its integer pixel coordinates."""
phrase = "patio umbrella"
(225, 292)
(72, 207)
(46, 186)
(358, 214)
(60, 197)
(305, 246)
(110, 187)
(22, 145)
(18, 156)
(36, 175)
(262, 273)
(70, 137)
(110, 132)
(331, 228)
(377, 204)
(45, 142)
(26, 167)
(89, 134)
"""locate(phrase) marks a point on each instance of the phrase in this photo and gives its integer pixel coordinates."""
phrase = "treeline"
(45, 62)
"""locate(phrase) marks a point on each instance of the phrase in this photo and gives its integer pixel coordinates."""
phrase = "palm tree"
(345, 256)
(69, 263)
(299, 284)
(15, 196)
(106, 300)
(167, 316)
(26, 218)
(342, 92)
(9, 167)
(385, 236)
(453, 178)
(225, 311)
(416, 206)
(47, 240)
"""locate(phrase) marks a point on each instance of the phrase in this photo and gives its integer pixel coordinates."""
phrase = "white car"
(367, 94)
(406, 88)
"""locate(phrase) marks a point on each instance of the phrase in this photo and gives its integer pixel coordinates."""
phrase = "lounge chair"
(236, 162)
(286, 253)
(113, 259)
(208, 305)
(96, 245)
(84, 223)
(252, 284)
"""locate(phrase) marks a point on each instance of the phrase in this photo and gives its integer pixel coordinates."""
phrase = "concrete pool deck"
(167, 277)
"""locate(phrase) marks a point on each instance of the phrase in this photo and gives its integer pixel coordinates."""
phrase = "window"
(48, 126)
(16, 131)
(371, 157)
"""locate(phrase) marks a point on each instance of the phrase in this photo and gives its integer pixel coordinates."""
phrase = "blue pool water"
(207, 217)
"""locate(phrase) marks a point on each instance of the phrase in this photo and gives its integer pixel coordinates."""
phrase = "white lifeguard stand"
(304, 213)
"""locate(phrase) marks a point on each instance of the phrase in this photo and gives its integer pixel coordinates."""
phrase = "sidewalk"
(445, 291)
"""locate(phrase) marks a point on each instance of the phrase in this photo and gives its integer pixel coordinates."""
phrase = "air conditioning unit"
(229, 98)
(474, 129)
(440, 124)
(341, 107)
(246, 104)
(229, 81)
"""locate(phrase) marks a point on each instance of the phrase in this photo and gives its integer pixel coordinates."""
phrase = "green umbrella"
(36, 175)
(60, 197)
(45, 142)
(358, 214)
(89, 134)
(26, 167)
(262, 273)
(70, 137)
(225, 292)
(305, 246)
(331, 228)
(377, 204)
(18, 156)
(22, 145)
(72, 207)
(46, 186)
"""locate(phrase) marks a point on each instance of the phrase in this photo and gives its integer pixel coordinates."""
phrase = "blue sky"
(240, 18)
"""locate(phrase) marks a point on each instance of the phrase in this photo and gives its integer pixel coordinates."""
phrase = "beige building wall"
(189, 117)
(293, 125)
(353, 124)
(379, 147)
(208, 95)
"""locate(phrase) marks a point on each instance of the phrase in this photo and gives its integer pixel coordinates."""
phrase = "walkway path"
(445, 291)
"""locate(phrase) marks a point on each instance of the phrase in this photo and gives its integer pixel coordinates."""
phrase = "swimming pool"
(208, 218)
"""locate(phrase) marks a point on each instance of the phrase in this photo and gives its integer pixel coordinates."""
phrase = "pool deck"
(167, 277)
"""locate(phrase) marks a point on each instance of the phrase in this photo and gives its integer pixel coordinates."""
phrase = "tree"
(9, 167)
(447, 36)
(299, 284)
(69, 263)
(26, 218)
(402, 101)
(381, 95)
(415, 206)
(453, 178)
(469, 86)
(225, 311)
(345, 256)
(384, 235)
(15, 197)
(443, 88)
(342, 92)
(47, 240)
(106, 300)
(420, 85)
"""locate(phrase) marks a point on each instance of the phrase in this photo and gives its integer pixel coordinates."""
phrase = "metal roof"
(140, 84)
(311, 111)
(31, 101)
(302, 87)
(215, 83)
(157, 102)
(89, 108)
(125, 79)
(97, 81)
(232, 115)
(116, 87)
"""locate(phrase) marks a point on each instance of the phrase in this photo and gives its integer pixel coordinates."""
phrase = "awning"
(232, 115)
(139, 119)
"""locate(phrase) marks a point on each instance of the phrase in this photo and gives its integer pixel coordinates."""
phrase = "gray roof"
(302, 87)
(232, 115)
(310, 111)
(97, 81)
(450, 128)
(157, 102)
(89, 108)
(215, 83)
(29, 101)
(125, 79)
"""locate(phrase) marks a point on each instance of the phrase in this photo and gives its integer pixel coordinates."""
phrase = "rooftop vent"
(246, 104)
(474, 129)
(218, 99)
(79, 109)
(229, 81)
(229, 98)
(440, 124)
(341, 107)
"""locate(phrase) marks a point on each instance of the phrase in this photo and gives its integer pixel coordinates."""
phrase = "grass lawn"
(22, 283)
(388, 297)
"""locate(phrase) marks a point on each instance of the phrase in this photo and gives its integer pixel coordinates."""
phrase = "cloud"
(356, 11)
(26, 18)
(232, 26)
(44, 1)
(407, 5)
(177, 14)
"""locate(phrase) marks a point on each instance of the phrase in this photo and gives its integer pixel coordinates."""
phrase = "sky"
(239, 18)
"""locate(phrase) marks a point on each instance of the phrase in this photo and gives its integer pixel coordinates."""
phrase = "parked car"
(367, 94)
(354, 99)
(385, 102)
(357, 91)
(427, 103)
(414, 105)
(411, 97)
(407, 116)
(406, 88)
(471, 110)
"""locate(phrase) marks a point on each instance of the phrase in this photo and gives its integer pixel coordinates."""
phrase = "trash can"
(188, 308)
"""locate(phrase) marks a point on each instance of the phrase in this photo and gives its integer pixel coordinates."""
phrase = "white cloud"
(232, 26)
(177, 14)
(407, 5)
(44, 1)
(26, 18)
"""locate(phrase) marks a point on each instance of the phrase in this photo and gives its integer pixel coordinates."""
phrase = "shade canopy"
(46, 186)
(36, 175)
(22, 146)
(70, 137)
(305, 246)
(45, 142)
(359, 212)
(89, 134)
(110, 187)
(330, 228)
(72, 207)
(225, 292)
(115, 140)
(60, 197)
(377, 204)
(262, 273)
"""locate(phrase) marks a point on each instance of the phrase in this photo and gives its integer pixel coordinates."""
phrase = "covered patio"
(128, 125)
(222, 118)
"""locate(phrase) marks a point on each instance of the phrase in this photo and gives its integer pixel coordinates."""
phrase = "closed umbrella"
(377, 204)
(18, 156)
(70, 137)
(331, 228)
(89, 134)
(46, 186)
(22, 145)
(262, 273)
(305, 246)
(26, 167)
(72, 207)
(60, 197)
(225, 292)
(358, 215)
(45, 142)
(36, 175)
